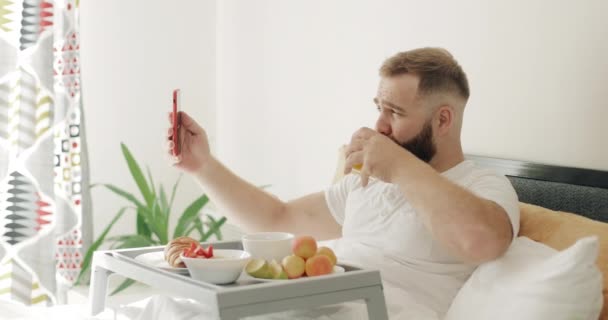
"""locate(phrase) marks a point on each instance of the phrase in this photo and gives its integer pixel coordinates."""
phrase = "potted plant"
(152, 218)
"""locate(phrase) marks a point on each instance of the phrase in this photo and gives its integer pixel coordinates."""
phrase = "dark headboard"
(582, 191)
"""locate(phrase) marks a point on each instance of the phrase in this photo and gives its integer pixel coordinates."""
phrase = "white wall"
(297, 78)
(294, 79)
(133, 54)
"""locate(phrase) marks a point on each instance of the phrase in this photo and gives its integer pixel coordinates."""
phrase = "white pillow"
(533, 281)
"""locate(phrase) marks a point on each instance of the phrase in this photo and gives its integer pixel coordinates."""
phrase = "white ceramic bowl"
(268, 245)
(225, 266)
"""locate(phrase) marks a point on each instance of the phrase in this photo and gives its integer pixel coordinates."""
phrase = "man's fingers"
(175, 160)
(363, 133)
(189, 124)
(354, 146)
(171, 148)
(364, 179)
(353, 159)
(171, 158)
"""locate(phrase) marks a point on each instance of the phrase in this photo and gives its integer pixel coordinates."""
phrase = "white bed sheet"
(400, 307)
(13, 311)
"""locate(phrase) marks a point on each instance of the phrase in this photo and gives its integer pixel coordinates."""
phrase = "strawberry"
(201, 252)
(205, 253)
(210, 251)
(191, 251)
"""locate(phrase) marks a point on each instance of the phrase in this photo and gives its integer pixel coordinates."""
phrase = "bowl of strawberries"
(220, 266)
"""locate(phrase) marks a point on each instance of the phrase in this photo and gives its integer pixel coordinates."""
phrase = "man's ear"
(444, 119)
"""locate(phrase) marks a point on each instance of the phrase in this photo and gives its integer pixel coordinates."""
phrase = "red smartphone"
(176, 121)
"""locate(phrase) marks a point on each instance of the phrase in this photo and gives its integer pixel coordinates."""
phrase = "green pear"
(277, 270)
(259, 268)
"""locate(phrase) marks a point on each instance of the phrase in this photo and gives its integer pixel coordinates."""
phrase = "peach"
(329, 253)
(318, 265)
(304, 247)
(294, 266)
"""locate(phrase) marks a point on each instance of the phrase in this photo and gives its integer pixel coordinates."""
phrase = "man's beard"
(422, 145)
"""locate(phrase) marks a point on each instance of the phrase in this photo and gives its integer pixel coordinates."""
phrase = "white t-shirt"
(381, 230)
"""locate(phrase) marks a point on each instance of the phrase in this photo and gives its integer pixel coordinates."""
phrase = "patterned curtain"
(44, 201)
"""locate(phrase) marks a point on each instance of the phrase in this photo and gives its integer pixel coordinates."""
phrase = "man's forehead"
(402, 88)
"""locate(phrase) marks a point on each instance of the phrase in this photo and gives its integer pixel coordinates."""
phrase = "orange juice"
(358, 167)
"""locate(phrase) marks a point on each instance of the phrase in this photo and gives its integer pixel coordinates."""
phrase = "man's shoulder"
(468, 173)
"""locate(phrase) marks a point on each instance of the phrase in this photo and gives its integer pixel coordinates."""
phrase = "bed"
(581, 191)
(559, 205)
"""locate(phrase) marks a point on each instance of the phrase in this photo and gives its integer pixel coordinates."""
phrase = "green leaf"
(131, 241)
(165, 210)
(165, 207)
(89, 255)
(198, 225)
(125, 284)
(174, 190)
(137, 175)
(163, 198)
(213, 228)
(159, 225)
(124, 194)
(189, 231)
(145, 220)
(119, 238)
(218, 232)
(151, 181)
(189, 215)
(142, 226)
(147, 214)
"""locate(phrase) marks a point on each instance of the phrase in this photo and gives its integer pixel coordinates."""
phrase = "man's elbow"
(487, 242)
(483, 248)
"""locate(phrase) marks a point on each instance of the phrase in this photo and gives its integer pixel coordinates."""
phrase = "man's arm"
(256, 210)
(245, 204)
(474, 228)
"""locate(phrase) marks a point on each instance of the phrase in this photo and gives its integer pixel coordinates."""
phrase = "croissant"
(175, 248)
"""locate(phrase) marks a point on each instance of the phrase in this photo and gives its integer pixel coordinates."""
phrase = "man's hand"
(379, 156)
(194, 144)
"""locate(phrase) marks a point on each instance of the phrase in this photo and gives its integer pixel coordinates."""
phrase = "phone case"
(176, 121)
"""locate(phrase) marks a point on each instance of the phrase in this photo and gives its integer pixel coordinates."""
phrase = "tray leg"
(376, 306)
(97, 291)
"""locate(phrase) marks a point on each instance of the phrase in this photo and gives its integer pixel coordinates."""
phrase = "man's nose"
(383, 126)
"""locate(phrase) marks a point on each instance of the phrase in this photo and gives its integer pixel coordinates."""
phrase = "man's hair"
(438, 71)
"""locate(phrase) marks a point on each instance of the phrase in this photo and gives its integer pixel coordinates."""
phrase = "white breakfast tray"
(244, 297)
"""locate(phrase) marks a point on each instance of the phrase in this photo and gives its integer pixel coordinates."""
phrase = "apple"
(277, 270)
(258, 268)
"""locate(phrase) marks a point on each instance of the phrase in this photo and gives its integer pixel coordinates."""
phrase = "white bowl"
(225, 266)
(268, 245)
